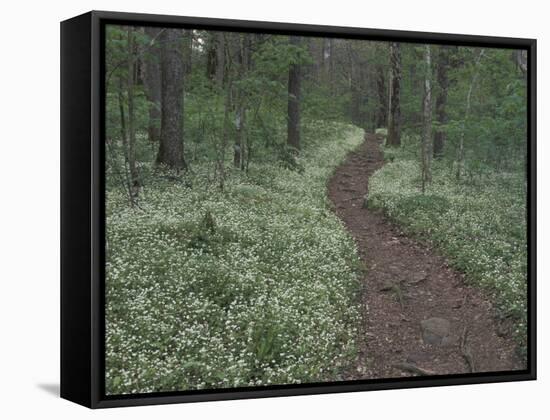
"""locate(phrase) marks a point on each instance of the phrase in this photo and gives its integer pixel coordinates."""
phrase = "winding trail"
(420, 317)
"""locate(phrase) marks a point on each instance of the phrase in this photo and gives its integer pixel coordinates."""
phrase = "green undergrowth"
(255, 285)
(478, 223)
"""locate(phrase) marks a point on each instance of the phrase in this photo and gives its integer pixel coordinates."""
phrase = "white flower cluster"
(255, 285)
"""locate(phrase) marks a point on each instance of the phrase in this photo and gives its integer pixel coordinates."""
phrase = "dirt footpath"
(420, 318)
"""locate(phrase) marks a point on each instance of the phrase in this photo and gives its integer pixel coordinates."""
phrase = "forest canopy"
(204, 95)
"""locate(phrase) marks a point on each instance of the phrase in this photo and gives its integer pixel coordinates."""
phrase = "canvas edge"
(91, 335)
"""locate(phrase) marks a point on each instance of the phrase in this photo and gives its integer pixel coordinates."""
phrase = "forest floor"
(420, 317)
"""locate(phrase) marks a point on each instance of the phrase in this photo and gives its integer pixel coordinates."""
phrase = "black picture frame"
(83, 213)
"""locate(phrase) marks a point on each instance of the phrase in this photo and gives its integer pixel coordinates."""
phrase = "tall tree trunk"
(460, 157)
(331, 75)
(356, 96)
(240, 140)
(320, 59)
(220, 160)
(327, 63)
(227, 85)
(132, 77)
(382, 111)
(427, 121)
(394, 115)
(316, 52)
(520, 57)
(358, 83)
(325, 54)
(171, 149)
(124, 140)
(188, 52)
(441, 100)
(355, 85)
(220, 58)
(152, 83)
(211, 50)
(294, 96)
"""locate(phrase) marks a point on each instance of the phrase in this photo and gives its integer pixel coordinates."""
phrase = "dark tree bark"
(220, 158)
(152, 82)
(382, 92)
(394, 115)
(226, 84)
(188, 52)
(331, 76)
(326, 63)
(460, 154)
(441, 100)
(358, 82)
(220, 58)
(427, 121)
(240, 140)
(520, 57)
(131, 82)
(211, 55)
(323, 60)
(353, 83)
(356, 94)
(294, 96)
(171, 149)
(316, 52)
(124, 139)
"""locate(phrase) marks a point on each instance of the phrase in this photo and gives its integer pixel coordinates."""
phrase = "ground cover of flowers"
(255, 285)
(478, 223)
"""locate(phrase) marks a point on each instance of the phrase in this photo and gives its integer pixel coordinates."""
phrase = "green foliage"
(204, 234)
(274, 56)
(288, 157)
(495, 129)
(255, 285)
(319, 103)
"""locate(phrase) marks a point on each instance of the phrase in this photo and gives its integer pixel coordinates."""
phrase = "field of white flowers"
(253, 286)
(479, 224)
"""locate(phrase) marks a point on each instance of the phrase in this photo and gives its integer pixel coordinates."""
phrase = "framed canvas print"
(255, 209)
